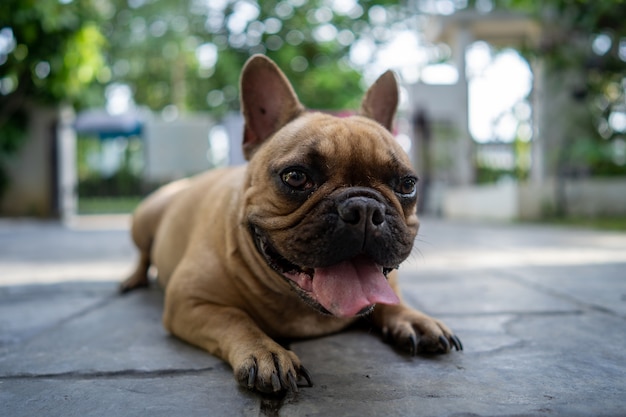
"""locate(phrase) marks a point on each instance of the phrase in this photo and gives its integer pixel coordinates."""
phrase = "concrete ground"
(541, 312)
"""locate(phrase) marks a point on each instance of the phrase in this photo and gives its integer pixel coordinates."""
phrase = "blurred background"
(510, 109)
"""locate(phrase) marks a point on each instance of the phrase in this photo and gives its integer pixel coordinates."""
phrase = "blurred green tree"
(184, 54)
(50, 52)
(587, 38)
(189, 53)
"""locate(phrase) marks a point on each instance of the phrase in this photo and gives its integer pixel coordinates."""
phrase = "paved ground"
(541, 311)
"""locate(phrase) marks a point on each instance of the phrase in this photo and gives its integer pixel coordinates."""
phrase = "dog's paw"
(139, 278)
(418, 333)
(136, 280)
(272, 372)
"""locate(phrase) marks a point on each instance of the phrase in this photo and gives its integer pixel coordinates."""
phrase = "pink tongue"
(350, 286)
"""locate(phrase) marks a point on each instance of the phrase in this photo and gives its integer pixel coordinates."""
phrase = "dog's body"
(298, 243)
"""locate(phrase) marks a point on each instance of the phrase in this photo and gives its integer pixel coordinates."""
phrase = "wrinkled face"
(331, 207)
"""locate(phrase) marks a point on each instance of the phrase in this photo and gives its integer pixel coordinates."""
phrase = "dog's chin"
(299, 277)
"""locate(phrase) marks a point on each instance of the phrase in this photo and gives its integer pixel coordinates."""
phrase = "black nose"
(362, 211)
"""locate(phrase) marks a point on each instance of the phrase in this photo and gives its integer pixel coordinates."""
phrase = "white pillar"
(67, 170)
(464, 155)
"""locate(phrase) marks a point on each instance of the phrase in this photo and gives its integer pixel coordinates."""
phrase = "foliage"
(487, 173)
(617, 224)
(109, 205)
(50, 51)
(177, 55)
(588, 37)
(189, 53)
(95, 179)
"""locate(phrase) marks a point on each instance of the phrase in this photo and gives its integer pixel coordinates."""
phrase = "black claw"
(276, 380)
(457, 343)
(292, 381)
(302, 371)
(445, 343)
(276, 386)
(412, 344)
(252, 376)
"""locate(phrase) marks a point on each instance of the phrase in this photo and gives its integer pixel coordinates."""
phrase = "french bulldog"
(302, 241)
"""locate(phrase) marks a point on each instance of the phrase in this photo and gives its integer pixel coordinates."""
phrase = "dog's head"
(330, 202)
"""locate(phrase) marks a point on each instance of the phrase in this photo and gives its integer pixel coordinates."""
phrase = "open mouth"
(349, 288)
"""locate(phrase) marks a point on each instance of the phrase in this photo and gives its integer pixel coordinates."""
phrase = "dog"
(301, 242)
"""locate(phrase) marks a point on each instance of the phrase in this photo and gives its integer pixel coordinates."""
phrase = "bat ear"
(268, 102)
(381, 100)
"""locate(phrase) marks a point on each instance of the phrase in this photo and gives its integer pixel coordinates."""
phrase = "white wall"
(481, 202)
(176, 149)
(592, 197)
(596, 197)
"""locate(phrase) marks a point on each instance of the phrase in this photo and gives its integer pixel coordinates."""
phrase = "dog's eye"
(297, 180)
(407, 187)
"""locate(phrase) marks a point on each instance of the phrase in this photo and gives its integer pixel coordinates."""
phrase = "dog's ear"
(268, 102)
(381, 100)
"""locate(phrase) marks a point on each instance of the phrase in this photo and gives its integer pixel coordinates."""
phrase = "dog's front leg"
(258, 362)
(413, 330)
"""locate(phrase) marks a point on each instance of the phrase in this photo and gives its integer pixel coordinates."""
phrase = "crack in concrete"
(124, 373)
(11, 345)
(585, 306)
(549, 313)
